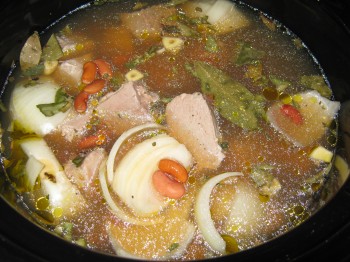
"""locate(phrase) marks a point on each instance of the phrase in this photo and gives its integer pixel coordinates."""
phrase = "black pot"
(323, 27)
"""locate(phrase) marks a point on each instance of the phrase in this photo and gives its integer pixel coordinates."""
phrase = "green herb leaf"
(143, 58)
(61, 104)
(280, 84)
(173, 246)
(78, 160)
(34, 70)
(52, 50)
(211, 45)
(60, 96)
(53, 108)
(233, 100)
(248, 55)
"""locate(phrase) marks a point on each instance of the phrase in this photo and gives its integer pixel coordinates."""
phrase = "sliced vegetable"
(132, 179)
(322, 154)
(120, 141)
(33, 169)
(233, 100)
(116, 209)
(50, 67)
(27, 115)
(203, 216)
(315, 111)
(134, 75)
(61, 104)
(54, 183)
(222, 14)
(173, 44)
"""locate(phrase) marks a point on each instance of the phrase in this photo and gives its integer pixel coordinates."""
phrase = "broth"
(275, 126)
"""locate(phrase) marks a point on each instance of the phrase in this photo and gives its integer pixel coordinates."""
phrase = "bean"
(80, 102)
(94, 87)
(103, 68)
(89, 72)
(88, 142)
(166, 186)
(173, 168)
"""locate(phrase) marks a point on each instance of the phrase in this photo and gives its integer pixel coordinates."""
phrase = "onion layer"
(119, 212)
(120, 141)
(24, 111)
(203, 216)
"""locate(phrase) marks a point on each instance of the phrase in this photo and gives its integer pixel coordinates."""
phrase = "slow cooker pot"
(324, 28)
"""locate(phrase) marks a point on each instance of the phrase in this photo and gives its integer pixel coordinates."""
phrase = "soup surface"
(183, 130)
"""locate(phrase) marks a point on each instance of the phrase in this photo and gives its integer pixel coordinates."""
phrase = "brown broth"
(105, 36)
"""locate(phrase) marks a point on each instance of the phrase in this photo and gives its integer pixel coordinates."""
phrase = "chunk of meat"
(85, 174)
(192, 122)
(68, 73)
(119, 111)
(147, 22)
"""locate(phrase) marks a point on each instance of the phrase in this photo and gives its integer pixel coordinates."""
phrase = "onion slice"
(202, 213)
(116, 210)
(120, 141)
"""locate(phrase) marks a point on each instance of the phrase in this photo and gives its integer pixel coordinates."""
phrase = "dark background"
(325, 237)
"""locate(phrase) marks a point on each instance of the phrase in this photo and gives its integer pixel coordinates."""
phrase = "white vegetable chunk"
(33, 169)
(222, 14)
(203, 215)
(24, 111)
(54, 183)
(317, 113)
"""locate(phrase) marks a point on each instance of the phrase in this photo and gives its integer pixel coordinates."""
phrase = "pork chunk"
(83, 175)
(119, 111)
(147, 21)
(68, 73)
(191, 121)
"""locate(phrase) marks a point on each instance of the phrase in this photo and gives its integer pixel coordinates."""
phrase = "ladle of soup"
(182, 130)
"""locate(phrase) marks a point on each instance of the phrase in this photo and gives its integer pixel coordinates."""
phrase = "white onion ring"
(120, 141)
(117, 210)
(202, 213)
